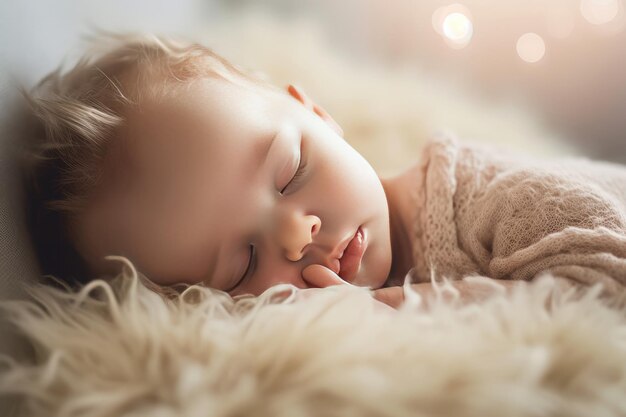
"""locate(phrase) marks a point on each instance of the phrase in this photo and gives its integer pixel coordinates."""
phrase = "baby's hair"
(73, 117)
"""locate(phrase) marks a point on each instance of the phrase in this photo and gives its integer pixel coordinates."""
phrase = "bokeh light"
(531, 47)
(457, 27)
(454, 24)
(599, 12)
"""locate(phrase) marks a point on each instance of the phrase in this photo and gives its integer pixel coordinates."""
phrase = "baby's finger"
(391, 296)
(320, 276)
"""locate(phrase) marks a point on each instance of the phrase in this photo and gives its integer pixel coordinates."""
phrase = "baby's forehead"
(165, 135)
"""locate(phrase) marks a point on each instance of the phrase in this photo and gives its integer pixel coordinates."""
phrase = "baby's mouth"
(350, 260)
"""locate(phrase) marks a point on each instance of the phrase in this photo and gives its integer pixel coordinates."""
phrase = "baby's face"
(213, 185)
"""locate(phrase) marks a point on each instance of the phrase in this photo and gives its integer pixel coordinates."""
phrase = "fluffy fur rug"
(120, 349)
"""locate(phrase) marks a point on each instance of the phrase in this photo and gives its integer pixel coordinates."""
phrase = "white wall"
(35, 35)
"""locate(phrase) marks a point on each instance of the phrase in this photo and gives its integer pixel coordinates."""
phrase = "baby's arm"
(528, 223)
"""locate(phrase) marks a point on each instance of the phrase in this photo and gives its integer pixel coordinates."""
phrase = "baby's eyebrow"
(265, 146)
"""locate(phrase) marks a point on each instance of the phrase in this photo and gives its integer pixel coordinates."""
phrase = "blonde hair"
(74, 116)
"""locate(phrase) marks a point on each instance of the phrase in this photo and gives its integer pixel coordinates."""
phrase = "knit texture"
(487, 211)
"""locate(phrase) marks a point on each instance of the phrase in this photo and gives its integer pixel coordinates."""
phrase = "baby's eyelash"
(298, 175)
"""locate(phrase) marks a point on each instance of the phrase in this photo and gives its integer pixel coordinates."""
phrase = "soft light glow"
(599, 12)
(454, 24)
(531, 47)
(458, 28)
(441, 13)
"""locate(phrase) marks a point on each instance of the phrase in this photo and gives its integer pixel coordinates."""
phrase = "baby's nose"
(300, 235)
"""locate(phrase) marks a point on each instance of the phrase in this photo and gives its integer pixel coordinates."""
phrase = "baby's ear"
(300, 95)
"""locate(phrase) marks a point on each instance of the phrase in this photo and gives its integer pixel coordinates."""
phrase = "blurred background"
(543, 76)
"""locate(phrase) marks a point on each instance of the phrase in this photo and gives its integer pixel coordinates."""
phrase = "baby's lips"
(319, 276)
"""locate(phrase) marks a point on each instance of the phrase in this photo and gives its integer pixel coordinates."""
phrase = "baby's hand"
(319, 277)
(391, 296)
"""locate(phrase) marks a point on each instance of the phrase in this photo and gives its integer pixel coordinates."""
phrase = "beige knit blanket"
(487, 211)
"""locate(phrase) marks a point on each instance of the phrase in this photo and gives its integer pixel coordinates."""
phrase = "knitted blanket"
(486, 211)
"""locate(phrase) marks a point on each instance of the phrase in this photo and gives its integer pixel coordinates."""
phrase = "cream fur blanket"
(122, 350)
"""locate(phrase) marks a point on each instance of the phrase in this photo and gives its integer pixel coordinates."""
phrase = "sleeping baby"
(201, 173)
